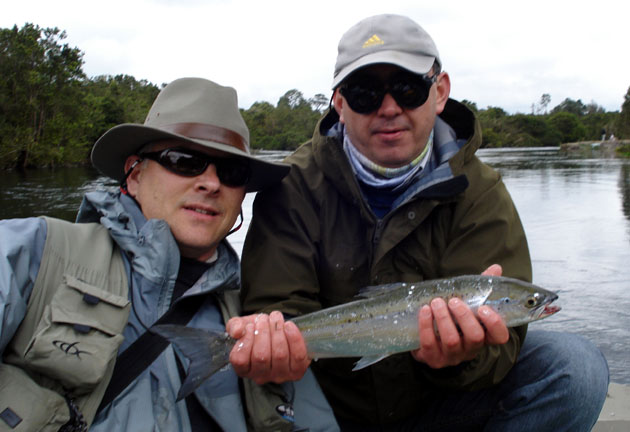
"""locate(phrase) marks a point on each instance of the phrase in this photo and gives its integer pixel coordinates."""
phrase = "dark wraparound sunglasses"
(230, 171)
(365, 93)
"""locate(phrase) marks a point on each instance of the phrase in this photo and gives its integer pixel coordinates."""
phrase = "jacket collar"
(456, 138)
(150, 245)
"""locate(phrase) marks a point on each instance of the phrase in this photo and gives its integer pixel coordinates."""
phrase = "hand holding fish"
(268, 348)
(461, 336)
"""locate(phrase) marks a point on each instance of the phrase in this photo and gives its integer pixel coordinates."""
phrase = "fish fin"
(208, 351)
(379, 290)
(367, 361)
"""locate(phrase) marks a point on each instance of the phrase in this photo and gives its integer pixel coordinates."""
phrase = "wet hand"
(451, 333)
(268, 348)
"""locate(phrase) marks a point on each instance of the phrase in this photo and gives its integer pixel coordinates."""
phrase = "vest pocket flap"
(94, 293)
(88, 307)
(76, 339)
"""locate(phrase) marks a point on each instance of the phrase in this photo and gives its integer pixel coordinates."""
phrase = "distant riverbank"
(597, 149)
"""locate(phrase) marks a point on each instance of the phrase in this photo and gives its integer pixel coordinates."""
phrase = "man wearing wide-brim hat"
(80, 296)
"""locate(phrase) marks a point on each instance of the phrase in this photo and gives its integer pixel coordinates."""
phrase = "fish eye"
(532, 301)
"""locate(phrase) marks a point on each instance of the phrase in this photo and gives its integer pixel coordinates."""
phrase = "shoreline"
(601, 149)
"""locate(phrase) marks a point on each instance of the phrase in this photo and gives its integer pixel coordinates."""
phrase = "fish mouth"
(548, 310)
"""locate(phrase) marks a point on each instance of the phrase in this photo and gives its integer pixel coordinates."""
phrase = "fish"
(381, 321)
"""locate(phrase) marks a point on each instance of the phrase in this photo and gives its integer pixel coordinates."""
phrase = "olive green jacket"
(314, 242)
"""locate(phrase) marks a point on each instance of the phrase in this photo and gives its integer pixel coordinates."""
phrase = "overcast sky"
(498, 53)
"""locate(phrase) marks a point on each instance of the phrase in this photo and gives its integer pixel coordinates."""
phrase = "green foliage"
(535, 126)
(51, 113)
(569, 126)
(623, 151)
(41, 98)
(285, 126)
(598, 121)
(492, 139)
(570, 121)
(571, 106)
(116, 100)
(470, 105)
(622, 124)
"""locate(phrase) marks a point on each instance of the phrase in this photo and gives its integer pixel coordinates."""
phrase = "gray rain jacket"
(151, 257)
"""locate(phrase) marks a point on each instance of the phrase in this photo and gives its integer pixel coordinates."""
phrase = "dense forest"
(51, 112)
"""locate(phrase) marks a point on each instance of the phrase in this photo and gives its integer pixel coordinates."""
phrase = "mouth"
(389, 132)
(202, 210)
(549, 310)
(390, 128)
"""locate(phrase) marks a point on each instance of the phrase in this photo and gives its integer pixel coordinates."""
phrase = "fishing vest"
(62, 356)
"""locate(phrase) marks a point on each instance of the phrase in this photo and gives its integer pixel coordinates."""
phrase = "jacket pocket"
(25, 406)
(78, 335)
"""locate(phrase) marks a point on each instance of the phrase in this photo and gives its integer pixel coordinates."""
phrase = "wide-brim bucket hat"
(193, 110)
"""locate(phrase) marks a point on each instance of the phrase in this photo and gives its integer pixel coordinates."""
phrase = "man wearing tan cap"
(75, 299)
(389, 189)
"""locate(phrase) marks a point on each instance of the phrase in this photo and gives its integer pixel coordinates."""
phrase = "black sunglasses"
(365, 93)
(231, 171)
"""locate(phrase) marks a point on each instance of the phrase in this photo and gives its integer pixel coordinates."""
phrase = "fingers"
(235, 327)
(261, 349)
(430, 351)
(440, 342)
(299, 360)
(493, 270)
(240, 356)
(472, 333)
(497, 332)
(269, 349)
(451, 333)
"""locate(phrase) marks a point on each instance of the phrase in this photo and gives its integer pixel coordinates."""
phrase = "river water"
(576, 213)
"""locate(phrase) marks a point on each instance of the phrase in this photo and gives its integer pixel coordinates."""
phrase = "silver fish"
(381, 322)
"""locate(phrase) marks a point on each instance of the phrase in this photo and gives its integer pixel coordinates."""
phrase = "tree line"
(570, 121)
(51, 113)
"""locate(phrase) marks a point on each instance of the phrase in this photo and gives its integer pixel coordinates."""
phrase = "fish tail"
(208, 351)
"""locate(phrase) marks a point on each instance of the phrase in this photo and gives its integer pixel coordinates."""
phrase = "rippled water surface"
(576, 214)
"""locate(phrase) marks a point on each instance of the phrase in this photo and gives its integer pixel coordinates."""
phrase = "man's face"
(200, 210)
(392, 136)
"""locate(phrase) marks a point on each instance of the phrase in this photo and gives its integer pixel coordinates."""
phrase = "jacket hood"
(457, 136)
(466, 127)
(456, 115)
(149, 244)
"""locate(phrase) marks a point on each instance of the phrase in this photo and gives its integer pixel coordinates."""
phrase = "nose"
(389, 107)
(208, 181)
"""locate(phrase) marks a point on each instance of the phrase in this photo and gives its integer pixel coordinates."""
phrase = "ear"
(133, 179)
(338, 102)
(443, 89)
